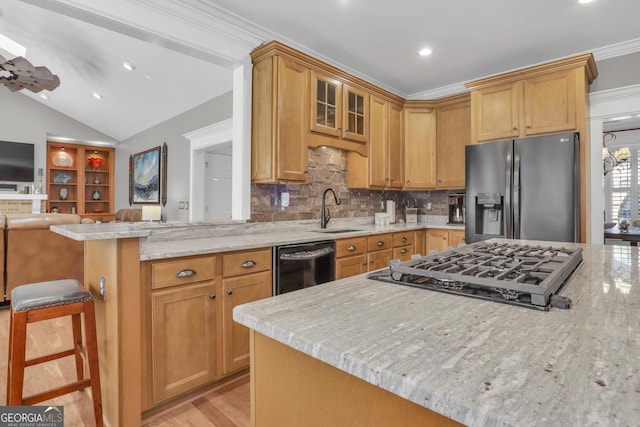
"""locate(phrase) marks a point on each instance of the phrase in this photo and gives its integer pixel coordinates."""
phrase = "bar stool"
(47, 300)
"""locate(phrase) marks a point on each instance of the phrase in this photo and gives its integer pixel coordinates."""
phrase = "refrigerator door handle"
(507, 200)
(516, 195)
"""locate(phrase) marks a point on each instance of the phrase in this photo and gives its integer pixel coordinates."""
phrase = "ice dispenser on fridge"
(489, 214)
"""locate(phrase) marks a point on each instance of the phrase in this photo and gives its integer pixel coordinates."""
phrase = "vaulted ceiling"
(188, 61)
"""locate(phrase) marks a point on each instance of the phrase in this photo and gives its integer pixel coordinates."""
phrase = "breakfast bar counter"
(475, 362)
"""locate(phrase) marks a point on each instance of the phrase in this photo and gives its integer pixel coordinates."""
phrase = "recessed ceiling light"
(44, 96)
(585, 1)
(425, 52)
(129, 66)
(96, 95)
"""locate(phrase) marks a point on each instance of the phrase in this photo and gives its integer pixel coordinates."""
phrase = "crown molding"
(618, 49)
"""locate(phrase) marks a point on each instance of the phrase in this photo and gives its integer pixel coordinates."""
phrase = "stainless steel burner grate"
(505, 272)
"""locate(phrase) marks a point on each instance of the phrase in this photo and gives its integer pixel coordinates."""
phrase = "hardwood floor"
(224, 406)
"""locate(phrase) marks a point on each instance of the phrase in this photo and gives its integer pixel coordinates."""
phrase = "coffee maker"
(456, 208)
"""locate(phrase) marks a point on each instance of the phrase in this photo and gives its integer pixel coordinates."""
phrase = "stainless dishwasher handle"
(248, 264)
(307, 254)
(187, 272)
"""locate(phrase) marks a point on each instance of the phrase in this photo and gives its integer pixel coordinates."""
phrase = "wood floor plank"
(225, 406)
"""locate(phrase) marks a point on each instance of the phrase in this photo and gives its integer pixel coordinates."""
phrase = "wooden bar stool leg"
(9, 350)
(92, 357)
(17, 351)
(76, 324)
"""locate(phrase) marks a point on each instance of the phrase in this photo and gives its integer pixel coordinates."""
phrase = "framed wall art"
(144, 177)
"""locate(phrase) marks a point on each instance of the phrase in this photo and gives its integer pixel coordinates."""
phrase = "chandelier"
(19, 73)
(616, 160)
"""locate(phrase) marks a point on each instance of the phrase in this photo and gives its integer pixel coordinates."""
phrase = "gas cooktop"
(513, 273)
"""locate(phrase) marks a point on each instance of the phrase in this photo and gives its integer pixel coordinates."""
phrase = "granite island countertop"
(478, 362)
(169, 240)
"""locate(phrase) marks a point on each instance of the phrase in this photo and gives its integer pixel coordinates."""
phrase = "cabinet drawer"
(244, 262)
(379, 241)
(403, 253)
(403, 239)
(171, 273)
(349, 247)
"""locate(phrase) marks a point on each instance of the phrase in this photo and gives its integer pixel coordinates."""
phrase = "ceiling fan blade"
(26, 76)
(19, 66)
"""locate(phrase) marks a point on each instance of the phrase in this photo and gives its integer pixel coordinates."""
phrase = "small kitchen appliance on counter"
(513, 273)
(456, 208)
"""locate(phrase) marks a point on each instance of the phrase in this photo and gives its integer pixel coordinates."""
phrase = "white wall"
(24, 120)
(171, 132)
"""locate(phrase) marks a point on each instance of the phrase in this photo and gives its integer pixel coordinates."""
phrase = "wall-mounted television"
(16, 161)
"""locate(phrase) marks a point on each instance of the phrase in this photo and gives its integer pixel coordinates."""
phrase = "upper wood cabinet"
(453, 134)
(280, 121)
(355, 114)
(383, 167)
(545, 99)
(419, 148)
(326, 104)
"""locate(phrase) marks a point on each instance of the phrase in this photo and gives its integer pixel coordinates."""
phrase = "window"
(621, 187)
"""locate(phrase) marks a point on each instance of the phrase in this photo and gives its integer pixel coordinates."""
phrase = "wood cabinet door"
(183, 342)
(326, 104)
(350, 266)
(395, 146)
(437, 240)
(379, 259)
(355, 112)
(379, 143)
(420, 242)
(550, 103)
(235, 337)
(419, 148)
(293, 121)
(454, 133)
(456, 237)
(496, 112)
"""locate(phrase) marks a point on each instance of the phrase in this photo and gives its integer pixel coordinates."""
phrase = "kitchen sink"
(337, 230)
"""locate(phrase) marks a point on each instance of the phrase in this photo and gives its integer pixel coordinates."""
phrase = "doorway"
(217, 183)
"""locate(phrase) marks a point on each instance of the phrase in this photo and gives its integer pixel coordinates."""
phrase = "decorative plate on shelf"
(62, 159)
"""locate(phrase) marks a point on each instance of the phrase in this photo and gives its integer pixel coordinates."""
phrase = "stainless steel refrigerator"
(523, 189)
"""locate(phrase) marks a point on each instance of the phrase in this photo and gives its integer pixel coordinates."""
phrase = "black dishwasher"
(303, 265)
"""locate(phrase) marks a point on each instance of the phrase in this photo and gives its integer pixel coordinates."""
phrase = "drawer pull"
(248, 264)
(230, 292)
(351, 248)
(212, 296)
(187, 272)
(404, 239)
(404, 251)
(380, 243)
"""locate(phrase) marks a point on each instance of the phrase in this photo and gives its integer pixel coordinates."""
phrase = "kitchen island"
(119, 260)
(352, 347)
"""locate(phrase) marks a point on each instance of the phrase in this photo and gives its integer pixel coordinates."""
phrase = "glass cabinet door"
(326, 98)
(356, 114)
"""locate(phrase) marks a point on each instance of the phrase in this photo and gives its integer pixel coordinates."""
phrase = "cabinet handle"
(364, 263)
(371, 262)
(248, 264)
(404, 239)
(515, 128)
(212, 296)
(444, 238)
(408, 181)
(230, 292)
(380, 243)
(187, 272)
(305, 171)
(404, 251)
(528, 126)
(351, 248)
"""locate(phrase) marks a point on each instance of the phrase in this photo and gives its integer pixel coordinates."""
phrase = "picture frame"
(145, 177)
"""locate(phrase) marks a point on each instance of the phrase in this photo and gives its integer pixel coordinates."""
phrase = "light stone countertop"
(169, 240)
(478, 362)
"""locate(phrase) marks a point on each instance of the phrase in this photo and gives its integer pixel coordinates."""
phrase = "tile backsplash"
(328, 168)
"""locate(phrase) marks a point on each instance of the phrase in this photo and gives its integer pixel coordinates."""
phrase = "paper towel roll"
(391, 210)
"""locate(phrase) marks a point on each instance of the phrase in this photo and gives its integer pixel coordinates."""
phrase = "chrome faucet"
(324, 219)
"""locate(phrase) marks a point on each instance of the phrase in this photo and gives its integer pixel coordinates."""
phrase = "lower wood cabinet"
(236, 291)
(351, 257)
(440, 239)
(184, 338)
(188, 333)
